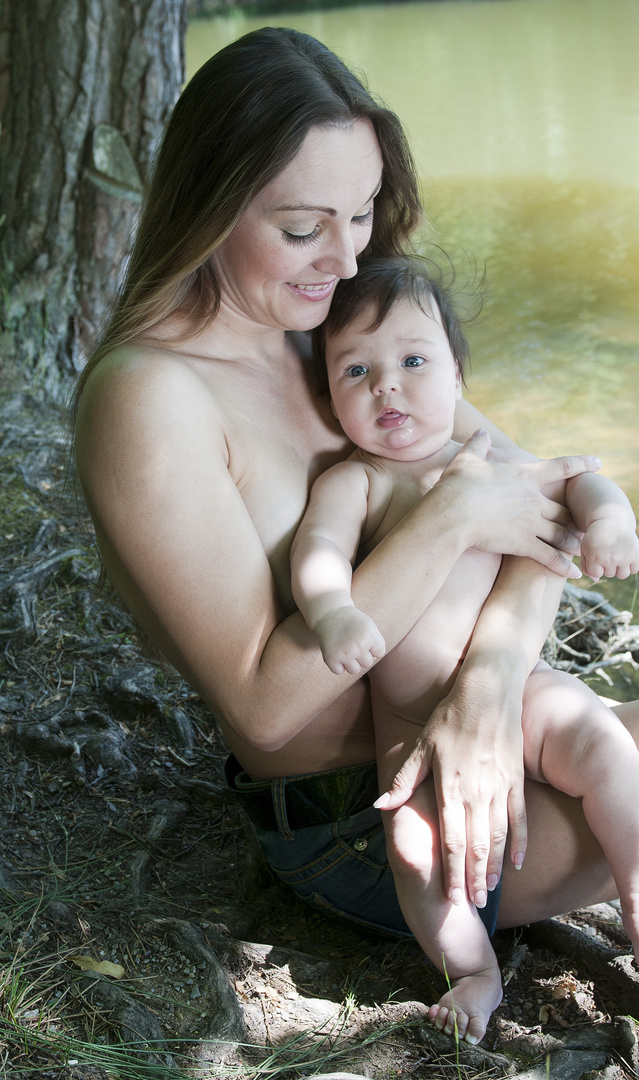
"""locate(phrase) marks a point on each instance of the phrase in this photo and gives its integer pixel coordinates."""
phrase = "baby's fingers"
(592, 567)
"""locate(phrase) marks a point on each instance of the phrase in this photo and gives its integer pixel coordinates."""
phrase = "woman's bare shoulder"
(144, 384)
(137, 371)
(143, 405)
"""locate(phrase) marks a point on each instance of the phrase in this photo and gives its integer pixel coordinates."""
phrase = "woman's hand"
(472, 745)
(504, 503)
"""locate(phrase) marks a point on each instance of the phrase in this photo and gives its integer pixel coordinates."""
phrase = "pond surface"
(524, 119)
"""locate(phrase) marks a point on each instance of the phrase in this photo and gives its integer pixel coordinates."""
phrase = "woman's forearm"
(515, 620)
(468, 419)
(292, 684)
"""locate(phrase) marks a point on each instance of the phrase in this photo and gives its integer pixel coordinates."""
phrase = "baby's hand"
(349, 640)
(609, 548)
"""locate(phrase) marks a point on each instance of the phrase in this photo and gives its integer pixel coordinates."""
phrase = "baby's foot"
(471, 1001)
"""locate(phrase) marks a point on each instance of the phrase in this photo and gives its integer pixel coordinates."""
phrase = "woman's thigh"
(564, 866)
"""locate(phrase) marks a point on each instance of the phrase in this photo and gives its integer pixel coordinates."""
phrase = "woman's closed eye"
(311, 237)
(364, 219)
(301, 238)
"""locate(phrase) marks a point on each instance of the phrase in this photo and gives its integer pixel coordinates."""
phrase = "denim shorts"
(324, 839)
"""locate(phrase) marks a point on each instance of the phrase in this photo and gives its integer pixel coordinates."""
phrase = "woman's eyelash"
(310, 238)
(364, 218)
(305, 238)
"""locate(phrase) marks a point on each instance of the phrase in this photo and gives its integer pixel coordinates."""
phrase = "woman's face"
(302, 233)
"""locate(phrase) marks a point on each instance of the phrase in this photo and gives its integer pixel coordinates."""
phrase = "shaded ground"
(141, 934)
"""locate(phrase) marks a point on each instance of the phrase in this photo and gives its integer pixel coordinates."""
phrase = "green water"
(524, 119)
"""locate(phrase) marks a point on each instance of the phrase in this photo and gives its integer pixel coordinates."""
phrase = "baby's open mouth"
(390, 418)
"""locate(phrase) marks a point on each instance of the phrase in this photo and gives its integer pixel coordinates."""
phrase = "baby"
(394, 352)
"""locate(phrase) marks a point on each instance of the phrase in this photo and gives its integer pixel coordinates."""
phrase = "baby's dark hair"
(381, 282)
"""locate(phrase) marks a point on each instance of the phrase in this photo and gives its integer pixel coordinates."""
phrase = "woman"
(198, 436)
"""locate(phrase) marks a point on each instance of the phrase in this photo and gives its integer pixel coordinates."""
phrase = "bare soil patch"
(142, 935)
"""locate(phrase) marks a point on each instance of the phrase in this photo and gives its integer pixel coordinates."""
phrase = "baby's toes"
(438, 1014)
(476, 1030)
(462, 1024)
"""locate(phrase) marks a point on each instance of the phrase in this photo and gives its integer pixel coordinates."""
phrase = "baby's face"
(394, 391)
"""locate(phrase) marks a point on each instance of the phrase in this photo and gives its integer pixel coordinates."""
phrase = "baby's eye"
(413, 361)
(356, 371)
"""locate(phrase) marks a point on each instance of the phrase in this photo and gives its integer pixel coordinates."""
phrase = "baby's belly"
(421, 670)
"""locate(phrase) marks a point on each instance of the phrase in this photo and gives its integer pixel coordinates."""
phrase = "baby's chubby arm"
(322, 553)
(609, 546)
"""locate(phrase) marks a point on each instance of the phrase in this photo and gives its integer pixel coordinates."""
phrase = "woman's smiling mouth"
(314, 292)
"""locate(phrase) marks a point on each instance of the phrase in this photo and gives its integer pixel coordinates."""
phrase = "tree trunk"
(85, 89)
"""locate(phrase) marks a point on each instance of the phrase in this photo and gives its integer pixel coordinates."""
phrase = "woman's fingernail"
(597, 462)
(383, 801)
(518, 860)
(480, 898)
(492, 881)
(456, 896)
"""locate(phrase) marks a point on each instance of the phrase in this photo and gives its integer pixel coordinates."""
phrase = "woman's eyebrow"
(304, 206)
(322, 209)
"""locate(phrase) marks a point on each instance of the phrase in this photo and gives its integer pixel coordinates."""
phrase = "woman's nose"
(340, 259)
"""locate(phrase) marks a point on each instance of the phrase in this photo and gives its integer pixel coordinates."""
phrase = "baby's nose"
(385, 383)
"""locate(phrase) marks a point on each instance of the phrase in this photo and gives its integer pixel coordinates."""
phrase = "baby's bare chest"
(391, 497)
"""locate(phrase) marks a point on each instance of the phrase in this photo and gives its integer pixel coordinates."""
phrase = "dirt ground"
(141, 934)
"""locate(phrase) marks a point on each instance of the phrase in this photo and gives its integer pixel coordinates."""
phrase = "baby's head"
(393, 355)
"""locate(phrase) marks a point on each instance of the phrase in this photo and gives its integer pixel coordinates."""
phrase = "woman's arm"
(182, 550)
(468, 419)
(473, 743)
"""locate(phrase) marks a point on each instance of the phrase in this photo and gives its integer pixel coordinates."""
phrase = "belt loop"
(278, 790)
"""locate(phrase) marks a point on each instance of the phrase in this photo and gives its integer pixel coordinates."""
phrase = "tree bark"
(85, 89)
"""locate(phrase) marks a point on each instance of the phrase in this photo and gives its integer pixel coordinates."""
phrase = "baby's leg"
(575, 743)
(451, 935)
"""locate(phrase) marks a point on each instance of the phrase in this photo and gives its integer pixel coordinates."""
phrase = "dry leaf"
(101, 967)
(565, 987)
(549, 1012)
